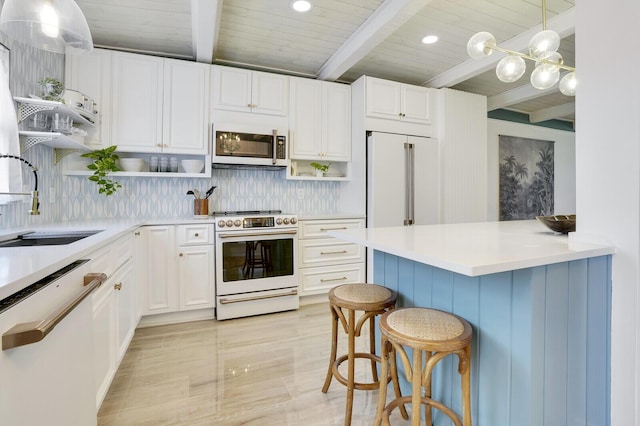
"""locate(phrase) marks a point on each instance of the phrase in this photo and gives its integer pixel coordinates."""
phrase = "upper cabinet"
(186, 107)
(147, 103)
(320, 120)
(136, 120)
(397, 101)
(91, 75)
(250, 91)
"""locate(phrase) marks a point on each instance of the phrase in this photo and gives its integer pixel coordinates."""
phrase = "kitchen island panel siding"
(540, 352)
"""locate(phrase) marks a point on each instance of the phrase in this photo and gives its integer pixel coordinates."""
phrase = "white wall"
(564, 155)
(608, 174)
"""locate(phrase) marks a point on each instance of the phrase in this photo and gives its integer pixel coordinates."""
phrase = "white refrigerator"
(403, 182)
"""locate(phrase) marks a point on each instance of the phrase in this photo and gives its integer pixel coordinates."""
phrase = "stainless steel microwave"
(247, 145)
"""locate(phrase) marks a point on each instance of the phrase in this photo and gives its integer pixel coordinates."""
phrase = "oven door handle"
(224, 301)
(258, 234)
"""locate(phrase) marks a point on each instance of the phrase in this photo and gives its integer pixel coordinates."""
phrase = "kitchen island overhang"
(539, 305)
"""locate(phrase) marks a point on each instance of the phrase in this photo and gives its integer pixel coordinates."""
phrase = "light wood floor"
(263, 370)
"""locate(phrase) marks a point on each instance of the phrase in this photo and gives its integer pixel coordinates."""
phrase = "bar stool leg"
(350, 367)
(416, 385)
(372, 346)
(466, 388)
(428, 412)
(384, 371)
(334, 349)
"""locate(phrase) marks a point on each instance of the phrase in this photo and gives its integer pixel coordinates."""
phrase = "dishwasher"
(46, 361)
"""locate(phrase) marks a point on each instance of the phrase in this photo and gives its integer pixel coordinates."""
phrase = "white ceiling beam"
(558, 111)
(205, 25)
(517, 95)
(383, 22)
(563, 24)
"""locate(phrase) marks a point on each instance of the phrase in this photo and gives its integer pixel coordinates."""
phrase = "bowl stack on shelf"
(192, 166)
(132, 164)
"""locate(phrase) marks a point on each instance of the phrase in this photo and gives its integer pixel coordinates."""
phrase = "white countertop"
(22, 266)
(475, 249)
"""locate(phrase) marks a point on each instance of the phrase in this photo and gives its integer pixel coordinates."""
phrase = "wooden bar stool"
(344, 301)
(437, 334)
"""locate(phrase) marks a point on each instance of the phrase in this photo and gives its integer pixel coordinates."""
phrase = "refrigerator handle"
(409, 183)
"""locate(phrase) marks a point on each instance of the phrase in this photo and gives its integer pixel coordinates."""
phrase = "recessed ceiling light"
(430, 39)
(301, 5)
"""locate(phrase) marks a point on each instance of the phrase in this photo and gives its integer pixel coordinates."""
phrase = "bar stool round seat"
(436, 334)
(344, 301)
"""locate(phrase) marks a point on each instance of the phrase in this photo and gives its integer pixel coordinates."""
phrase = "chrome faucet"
(34, 194)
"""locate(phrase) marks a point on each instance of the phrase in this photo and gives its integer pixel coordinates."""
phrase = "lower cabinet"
(179, 268)
(115, 311)
(324, 261)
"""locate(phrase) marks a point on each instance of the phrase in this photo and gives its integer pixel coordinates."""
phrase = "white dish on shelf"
(305, 174)
(334, 174)
(192, 166)
(132, 164)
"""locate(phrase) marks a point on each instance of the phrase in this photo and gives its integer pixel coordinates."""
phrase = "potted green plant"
(321, 169)
(52, 89)
(104, 162)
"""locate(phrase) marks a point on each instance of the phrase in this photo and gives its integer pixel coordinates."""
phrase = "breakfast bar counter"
(539, 304)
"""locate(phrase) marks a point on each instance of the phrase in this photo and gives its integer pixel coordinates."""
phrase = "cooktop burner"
(245, 212)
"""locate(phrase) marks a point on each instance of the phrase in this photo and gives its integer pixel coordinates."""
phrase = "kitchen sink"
(47, 238)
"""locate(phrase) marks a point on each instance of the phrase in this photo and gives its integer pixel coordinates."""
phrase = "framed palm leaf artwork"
(526, 177)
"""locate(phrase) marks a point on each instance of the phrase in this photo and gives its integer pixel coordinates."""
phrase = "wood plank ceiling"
(344, 39)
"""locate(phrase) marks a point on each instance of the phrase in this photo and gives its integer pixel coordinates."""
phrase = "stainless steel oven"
(256, 263)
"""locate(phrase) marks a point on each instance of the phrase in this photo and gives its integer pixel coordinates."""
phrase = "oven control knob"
(285, 220)
(229, 223)
(221, 224)
(278, 221)
(293, 220)
(238, 222)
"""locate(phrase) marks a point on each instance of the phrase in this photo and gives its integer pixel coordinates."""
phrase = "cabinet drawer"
(122, 250)
(318, 228)
(322, 279)
(195, 234)
(328, 251)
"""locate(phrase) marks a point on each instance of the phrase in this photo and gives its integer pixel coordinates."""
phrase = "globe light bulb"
(543, 42)
(568, 84)
(545, 76)
(480, 45)
(510, 68)
(49, 21)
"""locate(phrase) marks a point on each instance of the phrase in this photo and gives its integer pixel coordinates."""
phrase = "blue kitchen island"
(539, 304)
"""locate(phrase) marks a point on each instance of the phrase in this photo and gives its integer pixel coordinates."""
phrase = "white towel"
(10, 168)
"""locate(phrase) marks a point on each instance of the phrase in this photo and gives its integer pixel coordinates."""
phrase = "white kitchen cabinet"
(324, 261)
(196, 266)
(160, 287)
(397, 101)
(179, 268)
(126, 308)
(136, 119)
(320, 120)
(186, 107)
(146, 104)
(91, 74)
(236, 89)
(104, 339)
(115, 310)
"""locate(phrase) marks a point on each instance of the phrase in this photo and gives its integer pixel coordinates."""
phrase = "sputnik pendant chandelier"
(542, 50)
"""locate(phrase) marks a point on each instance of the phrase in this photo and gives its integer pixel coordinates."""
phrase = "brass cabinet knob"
(137, 233)
(197, 235)
(118, 286)
(180, 255)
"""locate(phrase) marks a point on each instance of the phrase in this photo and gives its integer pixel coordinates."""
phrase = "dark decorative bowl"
(563, 223)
